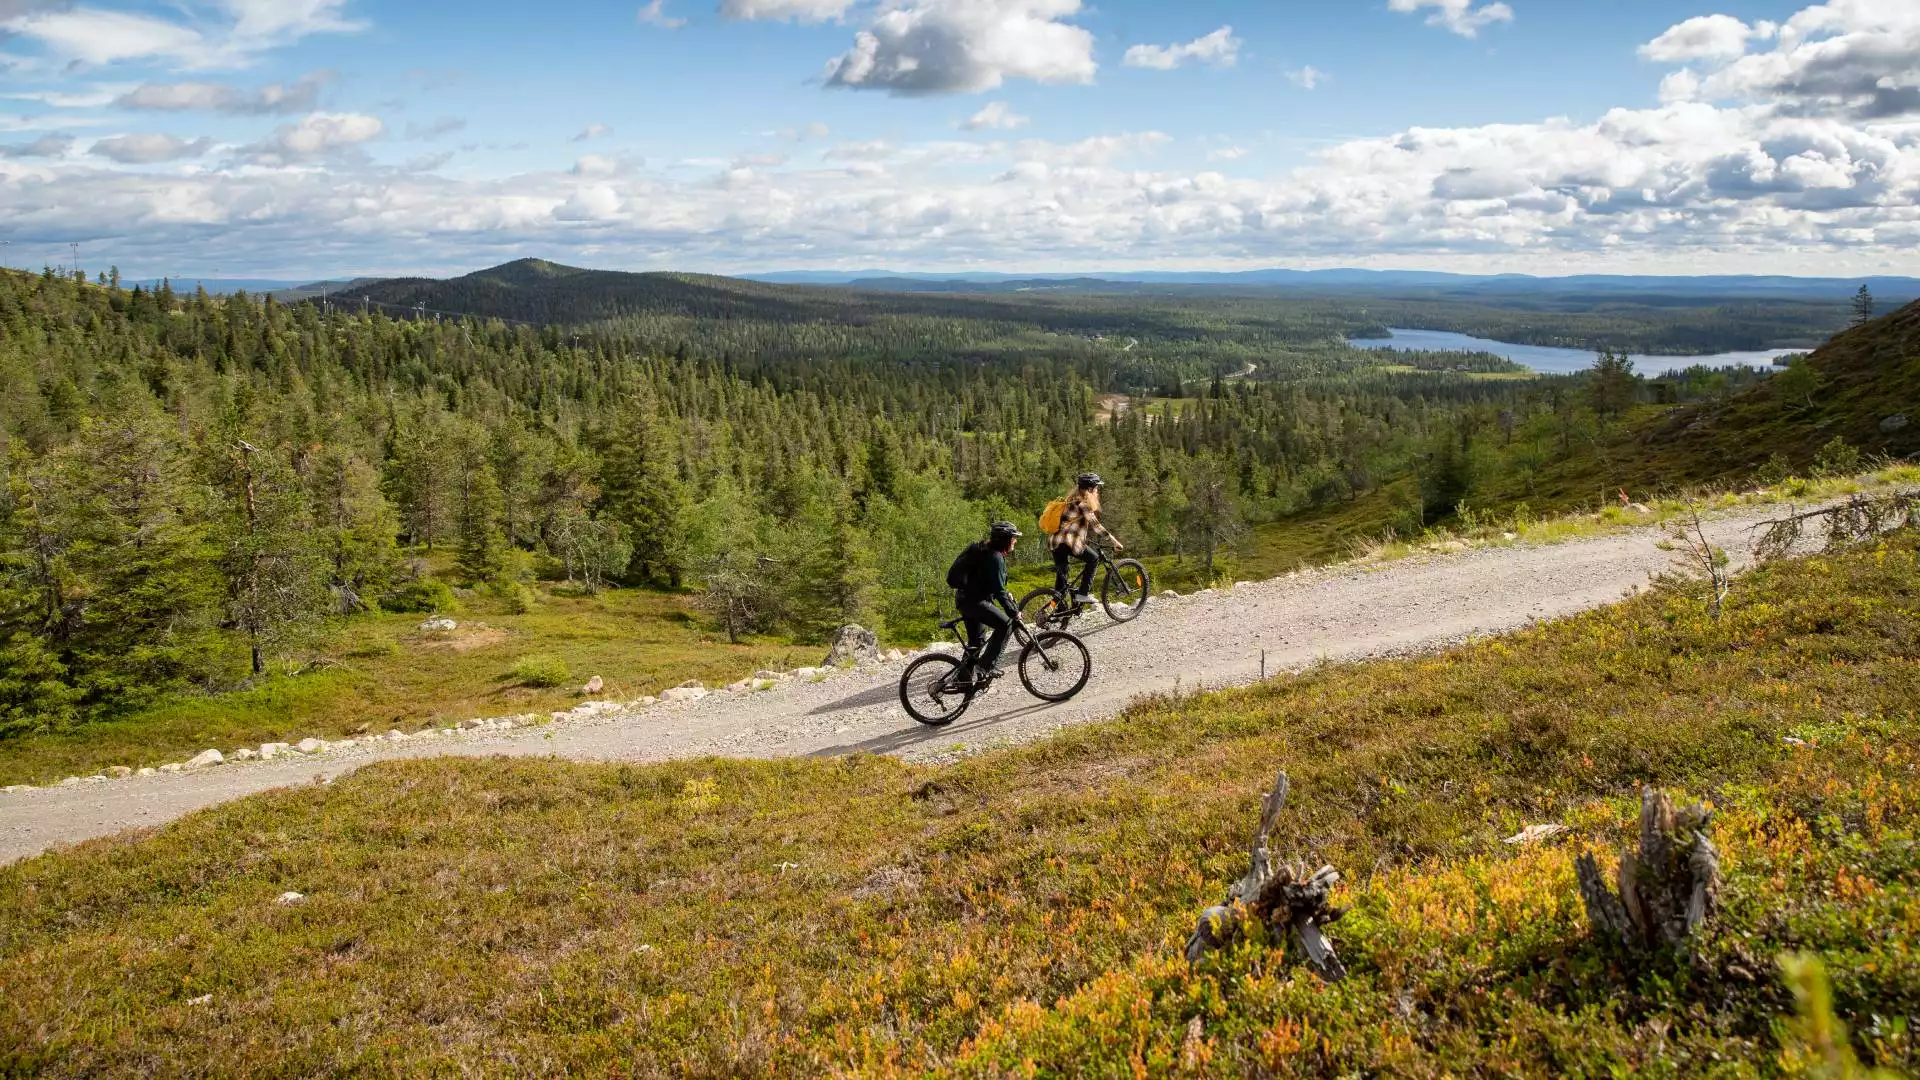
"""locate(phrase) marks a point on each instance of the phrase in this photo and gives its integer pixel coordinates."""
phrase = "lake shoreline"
(1549, 360)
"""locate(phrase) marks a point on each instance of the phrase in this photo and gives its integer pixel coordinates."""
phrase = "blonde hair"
(1090, 498)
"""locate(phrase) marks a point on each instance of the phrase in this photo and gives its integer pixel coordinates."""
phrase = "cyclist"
(980, 579)
(1078, 524)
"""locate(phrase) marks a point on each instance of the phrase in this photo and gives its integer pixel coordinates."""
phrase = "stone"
(594, 685)
(397, 736)
(692, 684)
(1640, 508)
(173, 767)
(439, 626)
(1170, 595)
(15, 789)
(310, 746)
(807, 672)
(206, 758)
(643, 702)
(1893, 423)
(119, 771)
(346, 744)
(684, 693)
(1533, 834)
(469, 725)
(289, 897)
(740, 687)
(853, 645)
(245, 754)
(776, 676)
(70, 781)
(146, 771)
(269, 751)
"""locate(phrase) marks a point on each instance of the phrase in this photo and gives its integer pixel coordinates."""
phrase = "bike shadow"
(895, 741)
(878, 695)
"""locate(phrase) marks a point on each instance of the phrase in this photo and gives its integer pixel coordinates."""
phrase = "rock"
(146, 771)
(740, 687)
(269, 751)
(684, 693)
(289, 897)
(245, 754)
(70, 781)
(692, 684)
(310, 746)
(643, 702)
(119, 771)
(594, 685)
(1640, 508)
(15, 789)
(172, 767)
(1535, 833)
(1509, 536)
(1893, 423)
(1170, 595)
(439, 626)
(852, 645)
(776, 676)
(807, 672)
(346, 744)
(1791, 741)
(469, 725)
(203, 999)
(397, 736)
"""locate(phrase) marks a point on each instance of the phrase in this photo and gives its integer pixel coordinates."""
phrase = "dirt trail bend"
(1211, 640)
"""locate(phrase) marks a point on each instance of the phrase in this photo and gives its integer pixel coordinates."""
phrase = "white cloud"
(1707, 37)
(597, 202)
(92, 98)
(97, 36)
(1858, 58)
(1227, 153)
(274, 99)
(655, 15)
(93, 36)
(1458, 16)
(316, 136)
(149, 149)
(1220, 49)
(46, 146)
(916, 47)
(596, 167)
(1307, 78)
(994, 116)
(782, 10)
(592, 132)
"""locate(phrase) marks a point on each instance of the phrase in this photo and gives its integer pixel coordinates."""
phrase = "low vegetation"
(1023, 912)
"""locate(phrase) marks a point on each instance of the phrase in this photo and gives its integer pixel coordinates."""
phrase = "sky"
(301, 139)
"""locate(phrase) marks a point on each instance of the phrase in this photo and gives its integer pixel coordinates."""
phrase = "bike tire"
(1073, 666)
(1042, 608)
(921, 692)
(1126, 601)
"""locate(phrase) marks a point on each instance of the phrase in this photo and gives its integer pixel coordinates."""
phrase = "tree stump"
(1666, 890)
(1288, 901)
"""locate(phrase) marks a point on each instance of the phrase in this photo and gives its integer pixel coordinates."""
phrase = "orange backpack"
(1050, 517)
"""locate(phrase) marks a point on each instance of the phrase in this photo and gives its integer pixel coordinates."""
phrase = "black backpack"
(960, 576)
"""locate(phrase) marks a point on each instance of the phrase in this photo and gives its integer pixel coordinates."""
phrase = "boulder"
(310, 746)
(1170, 595)
(776, 676)
(1533, 834)
(172, 767)
(1893, 423)
(643, 702)
(70, 781)
(289, 897)
(594, 685)
(439, 625)
(853, 645)
(269, 751)
(397, 736)
(684, 693)
(146, 771)
(205, 758)
(469, 725)
(119, 771)
(245, 754)
(1640, 508)
(740, 687)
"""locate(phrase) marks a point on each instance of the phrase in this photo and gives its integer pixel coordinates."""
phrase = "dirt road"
(1211, 640)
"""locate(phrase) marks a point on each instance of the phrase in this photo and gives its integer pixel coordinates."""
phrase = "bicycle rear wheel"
(1055, 666)
(928, 691)
(1042, 608)
(1124, 592)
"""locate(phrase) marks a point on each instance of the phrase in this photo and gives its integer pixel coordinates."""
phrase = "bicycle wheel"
(1042, 608)
(1124, 592)
(928, 693)
(1055, 666)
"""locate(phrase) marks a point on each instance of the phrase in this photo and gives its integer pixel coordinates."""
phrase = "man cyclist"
(980, 580)
(1079, 522)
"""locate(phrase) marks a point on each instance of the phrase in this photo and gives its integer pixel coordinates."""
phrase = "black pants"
(1063, 556)
(986, 619)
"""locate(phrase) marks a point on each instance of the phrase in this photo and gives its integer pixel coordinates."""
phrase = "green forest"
(195, 486)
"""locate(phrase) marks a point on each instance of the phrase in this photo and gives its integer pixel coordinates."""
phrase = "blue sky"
(306, 138)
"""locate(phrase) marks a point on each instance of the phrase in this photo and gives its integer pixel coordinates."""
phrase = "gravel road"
(1210, 640)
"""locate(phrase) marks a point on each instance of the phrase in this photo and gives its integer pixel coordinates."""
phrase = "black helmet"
(1003, 530)
(1090, 480)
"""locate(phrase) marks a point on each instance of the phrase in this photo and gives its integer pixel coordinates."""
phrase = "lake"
(1551, 361)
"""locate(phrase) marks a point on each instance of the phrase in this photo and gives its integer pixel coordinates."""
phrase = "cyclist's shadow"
(894, 741)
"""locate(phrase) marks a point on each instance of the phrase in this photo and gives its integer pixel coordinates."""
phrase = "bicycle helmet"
(1003, 530)
(1090, 480)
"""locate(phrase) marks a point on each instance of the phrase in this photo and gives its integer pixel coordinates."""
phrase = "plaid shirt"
(1078, 523)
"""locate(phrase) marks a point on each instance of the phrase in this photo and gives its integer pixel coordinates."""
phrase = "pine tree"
(476, 505)
(354, 528)
(1614, 387)
(1862, 305)
(640, 488)
(268, 557)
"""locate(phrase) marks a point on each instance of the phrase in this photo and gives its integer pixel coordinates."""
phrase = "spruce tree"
(640, 488)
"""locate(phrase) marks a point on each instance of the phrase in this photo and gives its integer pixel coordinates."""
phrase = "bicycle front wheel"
(1042, 608)
(1124, 592)
(1055, 666)
(929, 690)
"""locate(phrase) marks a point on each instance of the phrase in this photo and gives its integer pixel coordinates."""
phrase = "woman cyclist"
(1079, 522)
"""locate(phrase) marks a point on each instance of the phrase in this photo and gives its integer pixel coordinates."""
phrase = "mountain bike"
(1054, 666)
(1124, 587)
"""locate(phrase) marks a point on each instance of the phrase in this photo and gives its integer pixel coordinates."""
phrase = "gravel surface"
(1208, 640)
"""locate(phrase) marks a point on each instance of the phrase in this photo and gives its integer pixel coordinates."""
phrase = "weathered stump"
(1288, 901)
(1666, 889)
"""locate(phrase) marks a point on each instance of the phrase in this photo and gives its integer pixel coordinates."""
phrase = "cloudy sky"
(306, 138)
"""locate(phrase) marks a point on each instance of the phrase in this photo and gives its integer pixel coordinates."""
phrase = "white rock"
(172, 767)
(683, 693)
(441, 625)
(146, 771)
(594, 685)
(346, 744)
(203, 999)
(396, 736)
(310, 746)
(269, 751)
(692, 684)
(70, 781)
(119, 771)
(1533, 834)
(643, 702)
(448, 731)
(290, 897)
(774, 675)
(15, 789)
(245, 754)
(1789, 740)
(468, 725)
(852, 645)
(1170, 595)
(740, 687)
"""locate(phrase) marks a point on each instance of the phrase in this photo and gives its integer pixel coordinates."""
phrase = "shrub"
(429, 595)
(1837, 458)
(541, 669)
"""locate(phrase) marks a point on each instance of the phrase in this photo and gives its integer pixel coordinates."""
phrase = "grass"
(1021, 912)
(382, 672)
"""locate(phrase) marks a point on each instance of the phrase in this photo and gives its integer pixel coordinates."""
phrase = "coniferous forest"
(193, 485)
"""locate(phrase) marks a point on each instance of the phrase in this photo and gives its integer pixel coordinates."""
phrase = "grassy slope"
(381, 672)
(1019, 913)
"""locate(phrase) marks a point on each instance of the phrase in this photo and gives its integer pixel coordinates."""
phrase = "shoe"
(1083, 598)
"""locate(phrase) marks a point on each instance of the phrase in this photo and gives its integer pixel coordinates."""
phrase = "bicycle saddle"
(950, 624)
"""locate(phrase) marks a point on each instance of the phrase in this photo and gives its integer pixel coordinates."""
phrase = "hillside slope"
(1021, 913)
